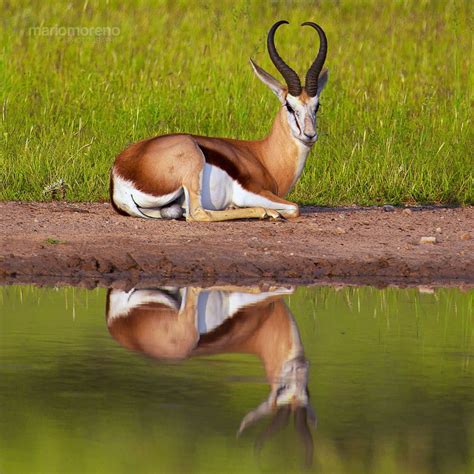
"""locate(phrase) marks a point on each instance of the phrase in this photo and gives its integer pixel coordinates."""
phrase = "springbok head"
(289, 395)
(301, 103)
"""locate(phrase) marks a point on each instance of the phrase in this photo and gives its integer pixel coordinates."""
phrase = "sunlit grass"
(395, 122)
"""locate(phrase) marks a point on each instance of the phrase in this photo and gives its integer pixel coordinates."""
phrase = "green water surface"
(391, 381)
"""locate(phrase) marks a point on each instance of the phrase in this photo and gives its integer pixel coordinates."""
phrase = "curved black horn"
(305, 434)
(290, 76)
(312, 75)
(279, 421)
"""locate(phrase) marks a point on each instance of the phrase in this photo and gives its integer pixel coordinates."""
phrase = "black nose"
(310, 136)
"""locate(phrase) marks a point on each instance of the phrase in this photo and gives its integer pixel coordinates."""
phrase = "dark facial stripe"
(297, 124)
(292, 112)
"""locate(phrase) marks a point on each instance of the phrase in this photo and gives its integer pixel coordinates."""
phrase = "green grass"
(53, 241)
(395, 123)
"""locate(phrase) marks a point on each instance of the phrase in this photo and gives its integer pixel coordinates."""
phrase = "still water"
(227, 380)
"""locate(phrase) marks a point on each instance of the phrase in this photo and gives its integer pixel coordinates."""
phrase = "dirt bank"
(90, 244)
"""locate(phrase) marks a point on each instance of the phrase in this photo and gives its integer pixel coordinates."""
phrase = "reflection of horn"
(301, 424)
(252, 417)
(311, 416)
(279, 421)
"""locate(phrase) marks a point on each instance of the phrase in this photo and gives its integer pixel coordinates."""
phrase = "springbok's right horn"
(312, 75)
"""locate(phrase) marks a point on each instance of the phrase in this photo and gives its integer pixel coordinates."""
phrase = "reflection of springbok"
(170, 323)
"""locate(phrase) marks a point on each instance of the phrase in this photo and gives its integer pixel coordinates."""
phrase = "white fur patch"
(121, 303)
(125, 193)
(215, 306)
(216, 188)
(219, 191)
(238, 300)
(303, 152)
(243, 198)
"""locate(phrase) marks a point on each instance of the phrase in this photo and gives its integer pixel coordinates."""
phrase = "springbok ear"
(269, 81)
(322, 80)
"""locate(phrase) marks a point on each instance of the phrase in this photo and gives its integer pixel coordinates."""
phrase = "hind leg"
(128, 199)
(173, 210)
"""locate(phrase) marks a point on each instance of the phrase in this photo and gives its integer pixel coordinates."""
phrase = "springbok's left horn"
(312, 75)
(291, 78)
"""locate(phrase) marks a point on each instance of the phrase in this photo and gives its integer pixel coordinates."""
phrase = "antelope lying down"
(170, 323)
(216, 179)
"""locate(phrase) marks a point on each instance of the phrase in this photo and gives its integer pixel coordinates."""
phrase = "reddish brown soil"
(90, 244)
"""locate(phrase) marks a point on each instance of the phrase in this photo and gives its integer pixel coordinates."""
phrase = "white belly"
(216, 188)
(219, 191)
(215, 306)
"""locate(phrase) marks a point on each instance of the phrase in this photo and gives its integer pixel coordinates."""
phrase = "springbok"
(170, 323)
(217, 179)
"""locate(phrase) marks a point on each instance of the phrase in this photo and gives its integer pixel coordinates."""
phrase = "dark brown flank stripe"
(235, 166)
(230, 327)
(215, 158)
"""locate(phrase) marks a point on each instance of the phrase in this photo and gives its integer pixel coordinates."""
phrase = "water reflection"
(172, 323)
(391, 376)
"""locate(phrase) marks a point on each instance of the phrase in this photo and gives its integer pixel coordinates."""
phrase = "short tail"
(111, 192)
(172, 211)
